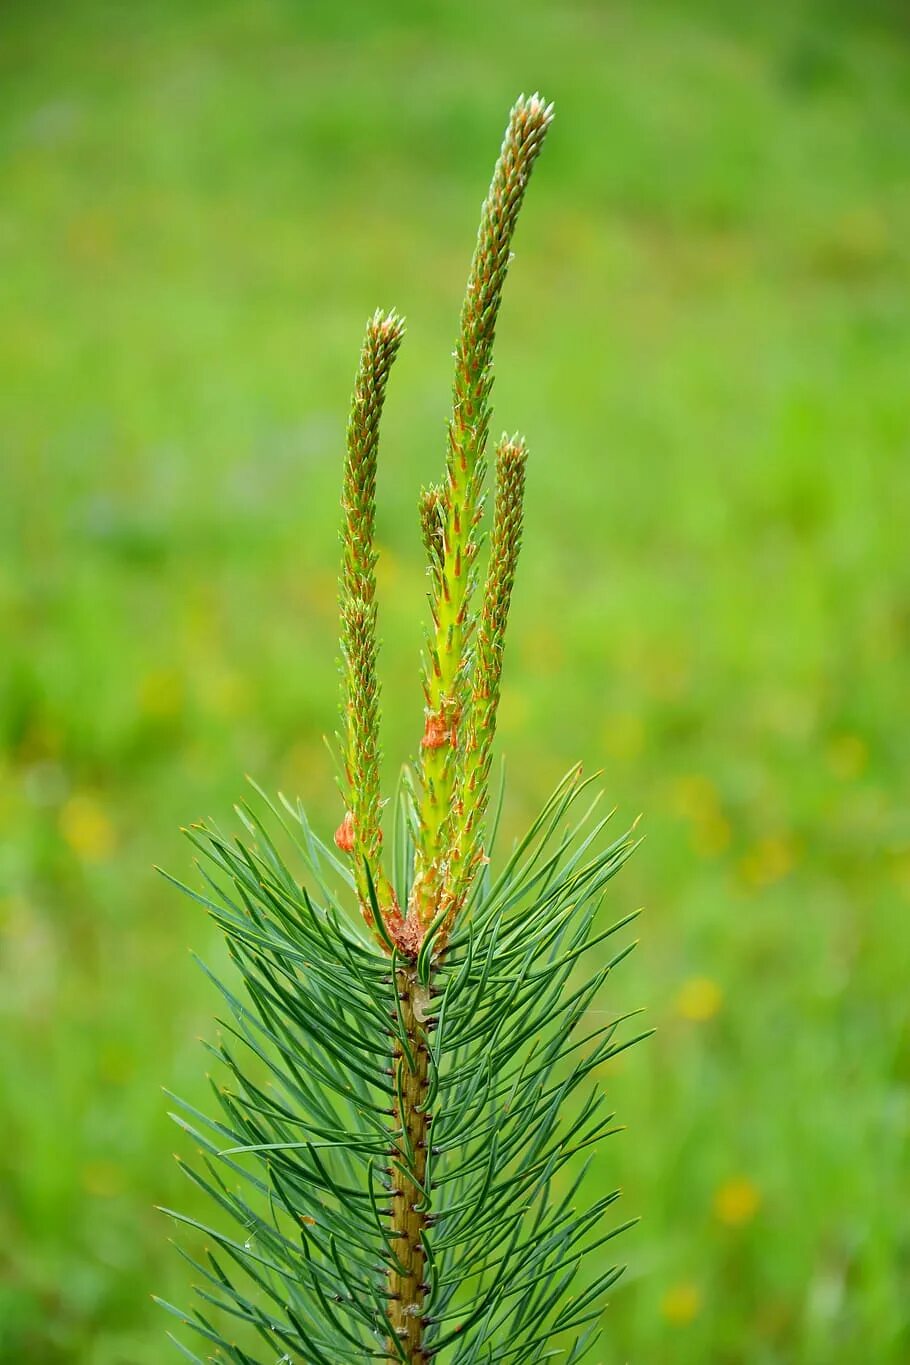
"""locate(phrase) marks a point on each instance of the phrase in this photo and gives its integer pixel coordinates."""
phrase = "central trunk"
(406, 1285)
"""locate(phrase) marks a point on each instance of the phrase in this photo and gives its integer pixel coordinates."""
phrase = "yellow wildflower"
(699, 999)
(161, 694)
(769, 860)
(847, 756)
(693, 795)
(226, 692)
(681, 1304)
(711, 834)
(737, 1201)
(87, 828)
(695, 798)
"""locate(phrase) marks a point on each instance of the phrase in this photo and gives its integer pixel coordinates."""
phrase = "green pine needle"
(308, 1157)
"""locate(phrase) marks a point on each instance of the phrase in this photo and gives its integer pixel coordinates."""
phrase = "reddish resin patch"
(344, 834)
(406, 934)
(437, 731)
(441, 727)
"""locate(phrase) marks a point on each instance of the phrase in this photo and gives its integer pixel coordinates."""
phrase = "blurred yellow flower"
(737, 1201)
(699, 999)
(711, 835)
(769, 859)
(87, 828)
(695, 798)
(161, 694)
(847, 756)
(692, 795)
(681, 1304)
(226, 692)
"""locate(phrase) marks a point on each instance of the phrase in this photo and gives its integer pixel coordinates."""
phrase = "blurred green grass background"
(706, 339)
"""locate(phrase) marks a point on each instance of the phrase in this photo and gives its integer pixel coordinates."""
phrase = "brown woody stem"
(406, 1286)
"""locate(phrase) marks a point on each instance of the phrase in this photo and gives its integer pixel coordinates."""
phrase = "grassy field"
(706, 339)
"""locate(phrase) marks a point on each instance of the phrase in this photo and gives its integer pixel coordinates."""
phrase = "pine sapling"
(408, 1106)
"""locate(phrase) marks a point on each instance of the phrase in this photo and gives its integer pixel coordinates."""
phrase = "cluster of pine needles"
(407, 1101)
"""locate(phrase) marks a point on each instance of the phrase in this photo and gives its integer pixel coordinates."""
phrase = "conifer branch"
(360, 832)
(446, 682)
(508, 507)
(384, 1163)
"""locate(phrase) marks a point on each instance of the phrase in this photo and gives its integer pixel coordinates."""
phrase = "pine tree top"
(465, 642)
